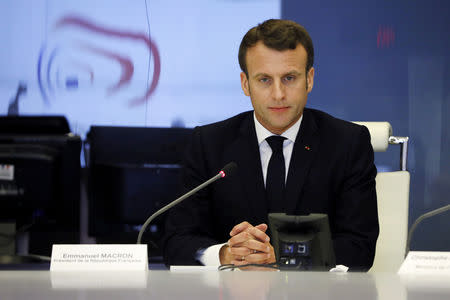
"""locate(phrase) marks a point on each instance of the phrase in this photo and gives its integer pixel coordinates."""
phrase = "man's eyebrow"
(293, 72)
(261, 75)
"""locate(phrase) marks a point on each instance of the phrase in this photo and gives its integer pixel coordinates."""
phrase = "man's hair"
(279, 35)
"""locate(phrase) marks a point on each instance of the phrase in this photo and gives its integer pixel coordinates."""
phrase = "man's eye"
(289, 78)
(264, 80)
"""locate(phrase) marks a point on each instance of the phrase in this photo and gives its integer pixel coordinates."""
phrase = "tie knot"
(276, 142)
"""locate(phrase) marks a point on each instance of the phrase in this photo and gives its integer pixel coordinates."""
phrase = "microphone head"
(229, 169)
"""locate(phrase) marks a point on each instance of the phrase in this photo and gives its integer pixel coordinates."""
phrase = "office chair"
(393, 201)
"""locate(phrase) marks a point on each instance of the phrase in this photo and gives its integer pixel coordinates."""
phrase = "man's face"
(277, 85)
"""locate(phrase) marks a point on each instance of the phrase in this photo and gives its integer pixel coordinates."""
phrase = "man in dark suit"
(321, 164)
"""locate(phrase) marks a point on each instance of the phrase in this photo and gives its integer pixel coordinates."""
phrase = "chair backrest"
(379, 134)
(393, 205)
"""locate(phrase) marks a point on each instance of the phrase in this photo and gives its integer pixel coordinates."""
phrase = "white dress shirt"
(210, 255)
(265, 151)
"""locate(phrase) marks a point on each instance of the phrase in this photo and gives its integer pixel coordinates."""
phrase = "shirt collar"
(262, 133)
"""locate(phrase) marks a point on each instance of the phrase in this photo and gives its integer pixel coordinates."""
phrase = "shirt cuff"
(210, 255)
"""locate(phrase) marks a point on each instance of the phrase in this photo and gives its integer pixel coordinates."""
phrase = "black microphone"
(420, 219)
(226, 171)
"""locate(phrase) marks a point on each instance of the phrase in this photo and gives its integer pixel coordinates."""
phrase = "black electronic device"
(132, 173)
(302, 242)
(39, 183)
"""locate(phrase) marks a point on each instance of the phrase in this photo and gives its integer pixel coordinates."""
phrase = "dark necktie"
(275, 174)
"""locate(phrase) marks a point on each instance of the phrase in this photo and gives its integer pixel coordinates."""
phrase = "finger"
(238, 262)
(263, 227)
(239, 228)
(240, 238)
(256, 246)
(240, 251)
(244, 238)
(257, 258)
(258, 234)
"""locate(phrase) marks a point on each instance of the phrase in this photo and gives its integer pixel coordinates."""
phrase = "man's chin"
(278, 128)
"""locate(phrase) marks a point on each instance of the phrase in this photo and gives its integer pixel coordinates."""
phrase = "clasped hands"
(248, 245)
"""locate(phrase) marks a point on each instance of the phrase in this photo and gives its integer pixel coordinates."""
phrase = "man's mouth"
(279, 109)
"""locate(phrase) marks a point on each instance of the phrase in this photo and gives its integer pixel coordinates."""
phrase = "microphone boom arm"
(420, 219)
(175, 202)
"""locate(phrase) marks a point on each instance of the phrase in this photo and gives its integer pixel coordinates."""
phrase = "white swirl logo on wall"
(80, 53)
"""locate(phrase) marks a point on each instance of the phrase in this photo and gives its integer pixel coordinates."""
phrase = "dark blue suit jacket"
(331, 171)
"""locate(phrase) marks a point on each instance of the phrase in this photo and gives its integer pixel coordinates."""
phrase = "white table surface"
(218, 285)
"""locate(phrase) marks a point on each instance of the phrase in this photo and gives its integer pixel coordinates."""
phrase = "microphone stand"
(175, 202)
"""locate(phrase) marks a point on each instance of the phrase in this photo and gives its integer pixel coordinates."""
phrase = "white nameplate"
(86, 257)
(426, 263)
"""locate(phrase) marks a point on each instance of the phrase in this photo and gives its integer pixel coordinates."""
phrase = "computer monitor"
(302, 242)
(132, 172)
(39, 183)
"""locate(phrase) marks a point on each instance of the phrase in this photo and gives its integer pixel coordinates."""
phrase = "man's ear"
(310, 79)
(244, 84)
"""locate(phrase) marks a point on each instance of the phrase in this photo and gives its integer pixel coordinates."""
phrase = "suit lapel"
(305, 148)
(245, 151)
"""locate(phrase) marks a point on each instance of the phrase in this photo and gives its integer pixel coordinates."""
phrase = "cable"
(233, 267)
(39, 257)
(149, 57)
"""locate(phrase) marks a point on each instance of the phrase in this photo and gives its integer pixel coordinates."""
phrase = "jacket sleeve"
(356, 223)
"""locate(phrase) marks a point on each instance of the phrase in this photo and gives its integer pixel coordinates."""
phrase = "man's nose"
(278, 91)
